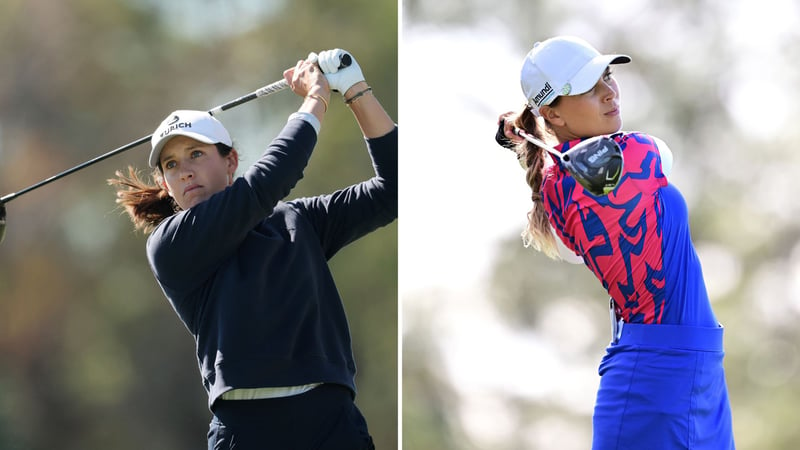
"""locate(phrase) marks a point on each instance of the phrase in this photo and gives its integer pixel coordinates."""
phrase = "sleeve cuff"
(308, 117)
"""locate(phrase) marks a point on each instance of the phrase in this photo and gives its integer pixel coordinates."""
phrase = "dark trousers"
(322, 418)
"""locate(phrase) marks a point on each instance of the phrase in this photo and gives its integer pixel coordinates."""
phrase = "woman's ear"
(552, 116)
(233, 161)
(162, 183)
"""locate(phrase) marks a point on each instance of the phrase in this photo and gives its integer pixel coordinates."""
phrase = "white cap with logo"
(562, 65)
(199, 125)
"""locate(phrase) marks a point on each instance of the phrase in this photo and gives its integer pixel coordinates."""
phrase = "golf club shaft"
(535, 141)
(266, 90)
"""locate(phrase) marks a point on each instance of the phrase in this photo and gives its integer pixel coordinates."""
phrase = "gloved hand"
(501, 138)
(339, 79)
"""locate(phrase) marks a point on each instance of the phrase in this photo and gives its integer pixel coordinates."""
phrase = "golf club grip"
(271, 88)
(266, 90)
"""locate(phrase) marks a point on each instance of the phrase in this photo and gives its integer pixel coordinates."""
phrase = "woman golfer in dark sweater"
(247, 272)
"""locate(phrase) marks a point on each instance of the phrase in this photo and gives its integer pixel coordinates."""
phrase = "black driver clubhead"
(596, 164)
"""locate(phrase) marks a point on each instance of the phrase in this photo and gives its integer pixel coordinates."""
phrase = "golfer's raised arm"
(370, 115)
(349, 81)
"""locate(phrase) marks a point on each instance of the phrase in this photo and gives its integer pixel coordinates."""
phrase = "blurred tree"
(428, 400)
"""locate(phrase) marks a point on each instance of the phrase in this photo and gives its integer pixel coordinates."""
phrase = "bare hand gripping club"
(261, 92)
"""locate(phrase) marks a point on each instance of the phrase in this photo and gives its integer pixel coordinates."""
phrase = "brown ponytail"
(538, 234)
(147, 203)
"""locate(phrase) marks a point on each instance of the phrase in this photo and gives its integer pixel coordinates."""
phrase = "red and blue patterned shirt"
(636, 240)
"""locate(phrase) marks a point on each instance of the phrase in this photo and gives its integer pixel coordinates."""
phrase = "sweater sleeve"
(187, 247)
(350, 213)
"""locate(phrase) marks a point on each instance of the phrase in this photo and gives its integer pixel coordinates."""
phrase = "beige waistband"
(270, 392)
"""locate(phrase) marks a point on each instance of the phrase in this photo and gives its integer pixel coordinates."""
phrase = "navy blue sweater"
(247, 272)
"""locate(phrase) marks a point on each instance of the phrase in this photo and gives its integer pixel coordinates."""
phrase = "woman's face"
(194, 171)
(593, 113)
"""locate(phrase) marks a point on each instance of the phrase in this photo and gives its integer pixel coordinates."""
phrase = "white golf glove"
(339, 79)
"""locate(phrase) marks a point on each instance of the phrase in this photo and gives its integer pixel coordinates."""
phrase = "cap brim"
(587, 77)
(155, 153)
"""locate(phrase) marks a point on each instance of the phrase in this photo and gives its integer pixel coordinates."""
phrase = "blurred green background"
(92, 355)
(500, 344)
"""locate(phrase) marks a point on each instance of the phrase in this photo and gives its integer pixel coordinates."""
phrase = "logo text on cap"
(175, 127)
(544, 93)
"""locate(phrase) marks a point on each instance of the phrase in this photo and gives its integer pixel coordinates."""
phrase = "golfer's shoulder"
(639, 147)
(158, 235)
(638, 140)
(634, 137)
(160, 252)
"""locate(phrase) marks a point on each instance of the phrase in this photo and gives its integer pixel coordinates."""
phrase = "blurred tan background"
(500, 344)
(91, 354)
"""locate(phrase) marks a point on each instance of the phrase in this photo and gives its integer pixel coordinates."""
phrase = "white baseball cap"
(563, 65)
(199, 125)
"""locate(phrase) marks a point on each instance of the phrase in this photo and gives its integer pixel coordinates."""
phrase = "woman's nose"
(611, 93)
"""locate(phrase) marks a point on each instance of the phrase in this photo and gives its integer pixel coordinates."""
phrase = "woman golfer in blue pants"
(662, 380)
(247, 272)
